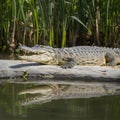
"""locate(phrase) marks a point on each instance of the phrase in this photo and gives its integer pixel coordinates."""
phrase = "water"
(94, 108)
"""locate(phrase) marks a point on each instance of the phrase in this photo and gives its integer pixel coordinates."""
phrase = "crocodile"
(45, 93)
(70, 56)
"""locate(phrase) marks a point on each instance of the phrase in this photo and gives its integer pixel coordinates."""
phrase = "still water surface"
(96, 108)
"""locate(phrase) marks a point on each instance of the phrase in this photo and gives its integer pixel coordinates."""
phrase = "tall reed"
(58, 22)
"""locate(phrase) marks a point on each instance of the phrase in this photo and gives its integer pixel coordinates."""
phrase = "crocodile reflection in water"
(46, 93)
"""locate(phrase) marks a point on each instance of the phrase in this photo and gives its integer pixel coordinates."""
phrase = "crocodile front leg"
(69, 63)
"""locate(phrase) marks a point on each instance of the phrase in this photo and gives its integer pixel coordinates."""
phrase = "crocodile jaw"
(38, 53)
(43, 58)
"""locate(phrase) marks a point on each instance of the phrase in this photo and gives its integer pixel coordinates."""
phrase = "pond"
(56, 102)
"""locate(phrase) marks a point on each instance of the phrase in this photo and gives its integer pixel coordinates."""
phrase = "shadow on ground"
(24, 65)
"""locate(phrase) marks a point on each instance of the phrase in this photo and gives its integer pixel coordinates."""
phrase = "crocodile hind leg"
(69, 63)
(110, 59)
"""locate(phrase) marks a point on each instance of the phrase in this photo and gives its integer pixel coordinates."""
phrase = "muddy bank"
(19, 71)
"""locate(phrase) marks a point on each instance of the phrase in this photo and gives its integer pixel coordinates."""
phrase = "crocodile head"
(39, 53)
(37, 94)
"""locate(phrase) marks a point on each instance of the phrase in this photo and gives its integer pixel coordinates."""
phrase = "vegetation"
(59, 23)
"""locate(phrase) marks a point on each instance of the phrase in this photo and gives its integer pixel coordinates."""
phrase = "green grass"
(58, 22)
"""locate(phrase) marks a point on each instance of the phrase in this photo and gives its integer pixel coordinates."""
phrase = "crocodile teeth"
(27, 52)
(38, 53)
(35, 98)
